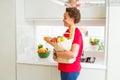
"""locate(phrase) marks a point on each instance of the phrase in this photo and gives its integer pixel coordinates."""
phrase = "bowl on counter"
(43, 53)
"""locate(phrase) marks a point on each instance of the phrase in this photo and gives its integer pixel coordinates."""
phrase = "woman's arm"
(69, 54)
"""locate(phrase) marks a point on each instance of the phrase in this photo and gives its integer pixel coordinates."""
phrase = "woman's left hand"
(54, 54)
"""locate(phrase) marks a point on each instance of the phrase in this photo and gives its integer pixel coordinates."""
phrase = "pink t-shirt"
(75, 66)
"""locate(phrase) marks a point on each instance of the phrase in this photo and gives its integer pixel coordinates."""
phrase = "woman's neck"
(72, 27)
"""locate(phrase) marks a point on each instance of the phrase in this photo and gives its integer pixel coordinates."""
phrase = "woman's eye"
(65, 18)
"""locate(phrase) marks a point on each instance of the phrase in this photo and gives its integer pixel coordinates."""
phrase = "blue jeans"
(69, 75)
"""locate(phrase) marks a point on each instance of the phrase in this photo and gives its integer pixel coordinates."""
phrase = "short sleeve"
(77, 37)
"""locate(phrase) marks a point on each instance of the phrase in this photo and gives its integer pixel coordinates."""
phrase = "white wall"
(24, 30)
(113, 72)
(7, 40)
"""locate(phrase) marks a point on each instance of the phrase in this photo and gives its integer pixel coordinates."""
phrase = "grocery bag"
(64, 46)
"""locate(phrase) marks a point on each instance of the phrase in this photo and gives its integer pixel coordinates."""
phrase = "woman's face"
(67, 20)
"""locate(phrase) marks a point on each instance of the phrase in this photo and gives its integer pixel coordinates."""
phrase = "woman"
(71, 71)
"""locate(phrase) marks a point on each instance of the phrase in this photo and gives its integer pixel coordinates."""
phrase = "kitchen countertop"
(35, 60)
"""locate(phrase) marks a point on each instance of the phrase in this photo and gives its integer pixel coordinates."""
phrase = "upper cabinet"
(43, 9)
(93, 12)
(49, 9)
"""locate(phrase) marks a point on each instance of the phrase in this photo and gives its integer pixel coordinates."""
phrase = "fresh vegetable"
(94, 41)
(43, 52)
(55, 39)
(40, 46)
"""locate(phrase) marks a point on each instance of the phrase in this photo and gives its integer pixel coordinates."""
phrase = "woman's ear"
(72, 19)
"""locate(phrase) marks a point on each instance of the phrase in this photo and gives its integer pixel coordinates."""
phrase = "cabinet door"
(92, 74)
(93, 12)
(43, 9)
(46, 9)
(33, 72)
(55, 73)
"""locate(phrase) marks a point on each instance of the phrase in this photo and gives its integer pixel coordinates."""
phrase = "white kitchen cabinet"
(44, 72)
(33, 72)
(43, 9)
(37, 72)
(85, 74)
(46, 9)
(55, 74)
(93, 12)
(92, 74)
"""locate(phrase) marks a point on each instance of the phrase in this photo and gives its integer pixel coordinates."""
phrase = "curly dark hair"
(74, 13)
